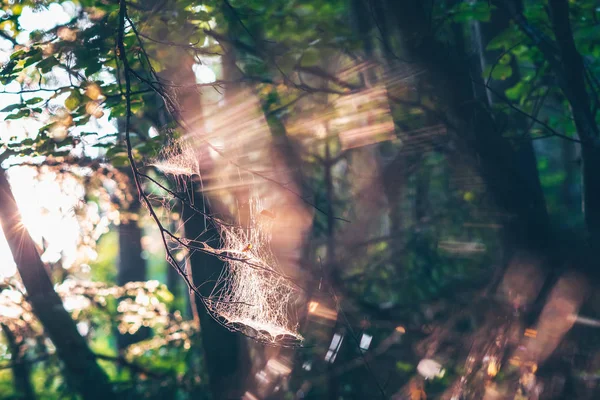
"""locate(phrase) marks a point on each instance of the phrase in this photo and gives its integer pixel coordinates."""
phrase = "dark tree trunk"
(569, 185)
(174, 286)
(83, 373)
(20, 369)
(131, 267)
(524, 154)
(225, 352)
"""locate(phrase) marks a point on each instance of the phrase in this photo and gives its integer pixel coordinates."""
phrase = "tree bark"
(83, 373)
(225, 352)
(131, 267)
(572, 80)
(524, 153)
(20, 370)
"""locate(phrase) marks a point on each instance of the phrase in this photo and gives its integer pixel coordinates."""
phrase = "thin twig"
(536, 120)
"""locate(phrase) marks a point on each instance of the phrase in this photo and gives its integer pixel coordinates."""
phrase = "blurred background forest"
(299, 199)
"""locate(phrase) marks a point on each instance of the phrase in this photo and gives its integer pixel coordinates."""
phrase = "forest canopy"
(299, 199)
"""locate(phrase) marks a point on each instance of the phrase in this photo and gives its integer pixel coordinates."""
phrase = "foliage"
(407, 258)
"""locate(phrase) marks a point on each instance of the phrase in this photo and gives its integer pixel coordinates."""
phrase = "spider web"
(252, 295)
(178, 160)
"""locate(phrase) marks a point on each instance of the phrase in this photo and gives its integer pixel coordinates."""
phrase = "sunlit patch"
(365, 118)
(76, 303)
(530, 333)
(461, 248)
(94, 109)
(140, 304)
(322, 311)
(44, 19)
(515, 361)
(10, 304)
(493, 367)
(204, 74)
(334, 347)
(584, 320)
(278, 367)
(47, 202)
(365, 341)
(249, 396)
(430, 369)
(423, 140)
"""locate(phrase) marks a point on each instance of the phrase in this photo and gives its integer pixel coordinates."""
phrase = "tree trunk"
(524, 153)
(569, 69)
(131, 267)
(20, 369)
(83, 373)
(225, 352)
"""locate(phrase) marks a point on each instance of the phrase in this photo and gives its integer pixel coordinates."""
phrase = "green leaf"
(73, 101)
(156, 65)
(17, 54)
(517, 91)
(465, 12)
(136, 105)
(22, 113)
(47, 64)
(92, 68)
(504, 39)
(8, 69)
(114, 150)
(61, 153)
(120, 160)
(33, 100)
(11, 107)
(35, 56)
(501, 72)
(505, 59)
(103, 145)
